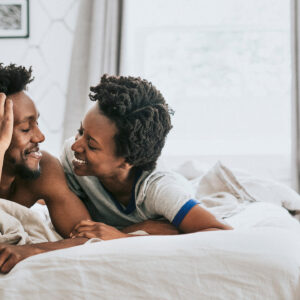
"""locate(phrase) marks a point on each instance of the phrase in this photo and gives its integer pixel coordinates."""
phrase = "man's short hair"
(14, 79)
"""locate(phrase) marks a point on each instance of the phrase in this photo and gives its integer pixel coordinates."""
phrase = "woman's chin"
(79, 171)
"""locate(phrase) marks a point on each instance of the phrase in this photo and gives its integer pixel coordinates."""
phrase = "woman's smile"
(78, 162)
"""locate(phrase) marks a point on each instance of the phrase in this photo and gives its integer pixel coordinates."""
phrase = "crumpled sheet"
(20, 225)
(225, 193)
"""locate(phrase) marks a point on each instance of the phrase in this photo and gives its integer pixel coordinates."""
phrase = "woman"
(111, 164)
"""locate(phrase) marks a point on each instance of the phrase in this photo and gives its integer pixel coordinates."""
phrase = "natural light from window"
(222, 65)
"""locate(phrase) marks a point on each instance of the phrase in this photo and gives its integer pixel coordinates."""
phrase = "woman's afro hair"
(14, 79)
(141, 115)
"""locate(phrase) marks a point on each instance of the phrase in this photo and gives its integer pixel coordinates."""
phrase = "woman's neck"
(120, 185)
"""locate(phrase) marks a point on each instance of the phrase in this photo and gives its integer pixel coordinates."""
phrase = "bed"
(259, 259)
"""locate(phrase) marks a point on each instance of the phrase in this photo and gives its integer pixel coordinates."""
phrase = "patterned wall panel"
(48, 50)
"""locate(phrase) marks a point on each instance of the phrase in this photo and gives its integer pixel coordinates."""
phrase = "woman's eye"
(92, 148)
(80, 131)
(25, 130)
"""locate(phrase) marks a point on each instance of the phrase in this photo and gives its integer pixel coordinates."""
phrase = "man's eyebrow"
(26, 119)
(29, 118)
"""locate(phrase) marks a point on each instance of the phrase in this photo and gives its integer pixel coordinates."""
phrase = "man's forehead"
(24, 108)
(20, 97)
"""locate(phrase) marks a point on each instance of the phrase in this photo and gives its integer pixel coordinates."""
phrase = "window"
(224, 67)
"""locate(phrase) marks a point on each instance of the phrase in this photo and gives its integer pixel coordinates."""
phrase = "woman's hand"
(90, 229)
(6, 122)
(153, 227)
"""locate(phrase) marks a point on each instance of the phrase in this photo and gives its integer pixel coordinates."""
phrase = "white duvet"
(259, 259)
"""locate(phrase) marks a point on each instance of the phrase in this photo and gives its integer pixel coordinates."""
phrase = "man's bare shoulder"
(48, 161)
(52, 175)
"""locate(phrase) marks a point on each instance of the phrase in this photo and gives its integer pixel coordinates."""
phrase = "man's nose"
(38, 136)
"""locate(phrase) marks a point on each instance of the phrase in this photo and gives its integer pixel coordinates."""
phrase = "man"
(29, 174)
(22, 180)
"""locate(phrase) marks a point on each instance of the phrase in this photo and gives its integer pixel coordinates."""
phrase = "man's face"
(23, 155)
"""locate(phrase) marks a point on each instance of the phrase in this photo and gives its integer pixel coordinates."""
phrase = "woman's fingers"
(85, 228)
(89, 235)
(83, 223)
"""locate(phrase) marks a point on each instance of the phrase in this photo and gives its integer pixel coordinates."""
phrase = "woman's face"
(94, 147)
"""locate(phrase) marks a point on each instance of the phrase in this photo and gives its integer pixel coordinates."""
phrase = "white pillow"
(266, 190)
(245, 186)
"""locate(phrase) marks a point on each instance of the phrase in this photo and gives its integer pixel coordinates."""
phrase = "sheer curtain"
(295, 93)
(96, 51)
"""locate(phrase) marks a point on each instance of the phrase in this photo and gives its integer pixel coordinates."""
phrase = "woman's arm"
(199, 219)
(90, 229)
(153, 227)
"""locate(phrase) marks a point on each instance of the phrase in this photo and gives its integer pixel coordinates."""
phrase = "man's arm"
(10, 255)
(65, 208)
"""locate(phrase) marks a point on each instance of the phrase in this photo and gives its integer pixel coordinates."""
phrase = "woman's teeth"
(79, 161)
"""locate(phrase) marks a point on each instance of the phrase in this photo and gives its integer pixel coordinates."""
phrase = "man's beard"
(26, 173)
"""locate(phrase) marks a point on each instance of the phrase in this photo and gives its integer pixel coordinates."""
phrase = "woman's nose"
(78, 144)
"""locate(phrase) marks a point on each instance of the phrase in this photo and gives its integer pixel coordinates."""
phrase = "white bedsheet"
(260, 259)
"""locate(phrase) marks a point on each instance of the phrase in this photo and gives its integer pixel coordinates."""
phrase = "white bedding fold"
(20, 225)
(225, 194)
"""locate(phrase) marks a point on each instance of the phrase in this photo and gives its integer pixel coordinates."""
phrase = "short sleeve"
(168, 195)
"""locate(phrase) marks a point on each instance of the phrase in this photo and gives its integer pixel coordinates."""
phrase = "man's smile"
(33, 153)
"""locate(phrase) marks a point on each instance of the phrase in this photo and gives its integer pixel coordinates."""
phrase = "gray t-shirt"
(156, 195)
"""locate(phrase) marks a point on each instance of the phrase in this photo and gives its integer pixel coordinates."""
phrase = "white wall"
(48, 50)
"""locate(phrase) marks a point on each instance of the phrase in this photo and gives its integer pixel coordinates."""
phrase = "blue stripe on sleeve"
(183, 211)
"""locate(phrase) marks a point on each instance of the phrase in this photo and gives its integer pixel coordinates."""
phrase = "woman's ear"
(125, 165)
